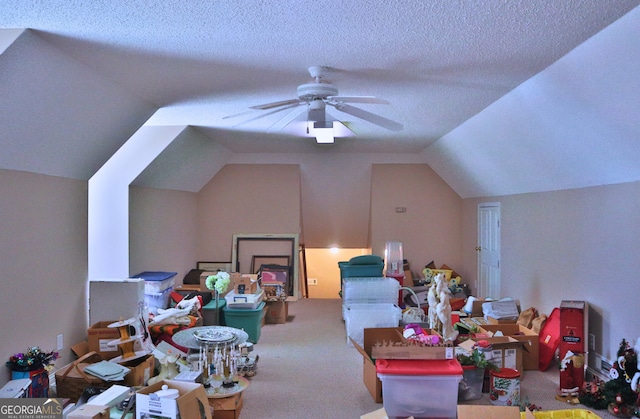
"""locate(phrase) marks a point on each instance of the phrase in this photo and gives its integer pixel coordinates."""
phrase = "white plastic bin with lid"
(370, 290)
(156, 300)
(156, 282)
(357, 317)
(244, 301)
(373, 290)
(419, 388)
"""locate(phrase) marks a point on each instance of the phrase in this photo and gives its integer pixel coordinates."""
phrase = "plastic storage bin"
(357, 317)
(370, 290)
(361, 266)
(249, 320)
(157, 300)
(209, 313)
(470, 387)
(156, 282)
(244, 301)
(419, 388)
(376, 290)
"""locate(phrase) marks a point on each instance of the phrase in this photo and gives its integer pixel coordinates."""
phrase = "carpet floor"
(307, 370)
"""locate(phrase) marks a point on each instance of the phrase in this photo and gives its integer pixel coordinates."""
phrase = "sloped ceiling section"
(187, 164)
(59, 116)
(575, 124)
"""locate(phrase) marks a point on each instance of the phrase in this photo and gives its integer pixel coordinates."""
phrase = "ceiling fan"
(315, 96)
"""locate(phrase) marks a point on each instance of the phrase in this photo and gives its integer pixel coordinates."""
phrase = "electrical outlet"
(592, 342)
(60, 342)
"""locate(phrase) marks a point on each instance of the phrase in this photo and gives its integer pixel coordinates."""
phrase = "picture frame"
(259, 260)
(214, 266)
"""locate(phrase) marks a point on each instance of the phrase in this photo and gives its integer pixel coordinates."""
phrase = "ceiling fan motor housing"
(311, 91)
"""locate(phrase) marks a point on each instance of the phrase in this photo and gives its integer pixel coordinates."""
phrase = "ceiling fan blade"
(262, 115)
(357, 99)
(368, 116)
(289, 118)
(276, 104)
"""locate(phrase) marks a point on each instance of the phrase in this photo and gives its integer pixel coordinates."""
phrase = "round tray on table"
(197, 337)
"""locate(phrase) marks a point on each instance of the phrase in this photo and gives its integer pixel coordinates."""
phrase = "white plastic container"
(157, 300)
(357, 317)
(157, 282)
(370, 290)
(243, 301)
(419, 388)
(374, 290)
(393, 259)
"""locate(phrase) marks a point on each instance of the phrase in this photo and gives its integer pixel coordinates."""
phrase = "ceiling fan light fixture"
(323, 131)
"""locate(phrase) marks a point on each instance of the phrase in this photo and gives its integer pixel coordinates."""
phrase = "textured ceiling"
(439, 64)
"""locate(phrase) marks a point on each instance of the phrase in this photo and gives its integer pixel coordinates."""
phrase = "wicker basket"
(71, 380)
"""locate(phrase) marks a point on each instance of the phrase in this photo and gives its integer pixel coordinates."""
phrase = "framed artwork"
(215, 266)
(247, 247)
(259, 260)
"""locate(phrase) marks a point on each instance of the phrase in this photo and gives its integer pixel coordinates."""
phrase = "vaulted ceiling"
(499, 97)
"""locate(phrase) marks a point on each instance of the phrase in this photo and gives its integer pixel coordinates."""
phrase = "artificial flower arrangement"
(218, 282)
(33, 359)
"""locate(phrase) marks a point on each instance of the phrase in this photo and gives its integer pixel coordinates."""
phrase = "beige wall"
(431, 227)
(246, 199)
(579, 244)
(43, 274)
(163, 230)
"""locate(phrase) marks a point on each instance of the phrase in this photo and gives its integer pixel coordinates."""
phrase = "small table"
(228, 399)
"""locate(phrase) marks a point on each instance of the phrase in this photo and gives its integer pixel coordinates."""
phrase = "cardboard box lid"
(396, 346)
(496, 342)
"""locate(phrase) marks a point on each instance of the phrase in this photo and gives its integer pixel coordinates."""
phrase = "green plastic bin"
(209, 313)
(249, 320)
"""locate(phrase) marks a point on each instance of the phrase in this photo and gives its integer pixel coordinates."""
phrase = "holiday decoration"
(616, 395)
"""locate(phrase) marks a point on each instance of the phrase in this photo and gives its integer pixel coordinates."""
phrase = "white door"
(488, 250)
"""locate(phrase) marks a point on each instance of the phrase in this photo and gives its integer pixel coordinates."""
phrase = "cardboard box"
(276, 312)
(507, 352)
(99, 336)
(90, 411)
(227, 407)
(389, 343)
(243, 284)
(529, 338)
(407, 281)
(369, 374)
(192, 402)
(141, 370)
